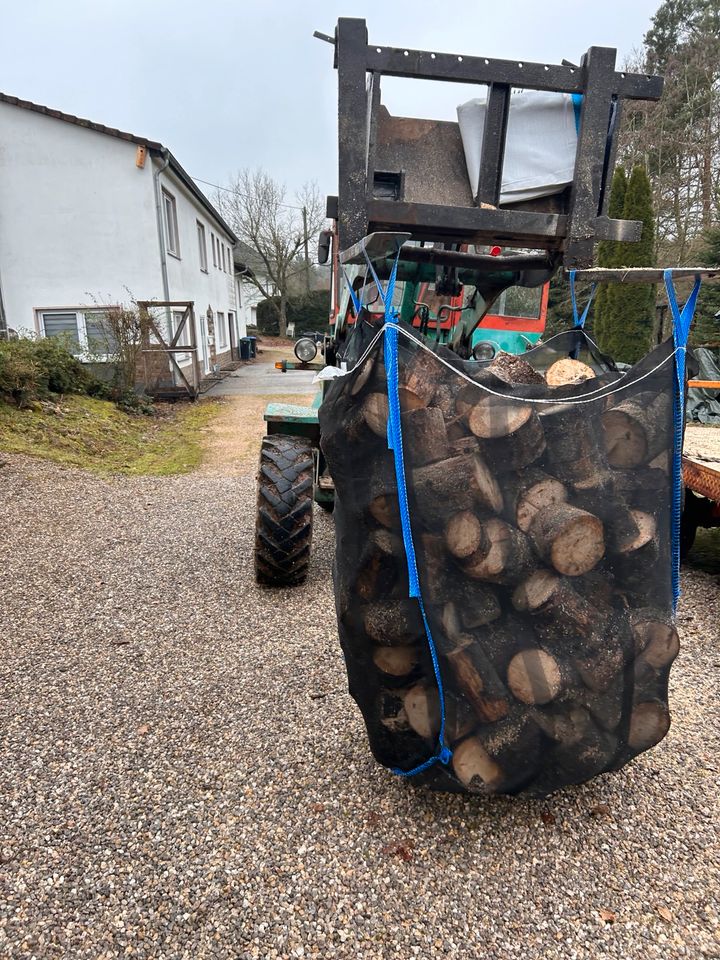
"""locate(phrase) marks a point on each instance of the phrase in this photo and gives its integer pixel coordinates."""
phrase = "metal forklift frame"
(575, 225)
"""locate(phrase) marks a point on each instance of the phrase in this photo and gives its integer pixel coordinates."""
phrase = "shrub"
(310, 312)
(32, 369)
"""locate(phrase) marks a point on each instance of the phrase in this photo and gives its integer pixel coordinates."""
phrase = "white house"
(91, 215)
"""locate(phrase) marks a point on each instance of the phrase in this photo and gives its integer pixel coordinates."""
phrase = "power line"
(247, 196)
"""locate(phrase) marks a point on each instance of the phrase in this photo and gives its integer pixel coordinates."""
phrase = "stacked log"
(538, 529)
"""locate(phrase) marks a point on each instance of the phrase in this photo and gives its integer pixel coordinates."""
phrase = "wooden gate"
(164, 377)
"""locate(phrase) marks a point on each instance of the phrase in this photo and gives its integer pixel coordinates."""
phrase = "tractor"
(474, 259)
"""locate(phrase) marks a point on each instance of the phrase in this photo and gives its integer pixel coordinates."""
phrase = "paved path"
(261, 377)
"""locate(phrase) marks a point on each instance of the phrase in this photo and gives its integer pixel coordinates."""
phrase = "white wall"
(77, 217)
(78, 221)
(187, 281)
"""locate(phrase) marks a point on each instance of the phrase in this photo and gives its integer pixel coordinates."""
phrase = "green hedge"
(308, 313)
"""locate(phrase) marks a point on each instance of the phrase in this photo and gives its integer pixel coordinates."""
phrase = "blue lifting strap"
(579, 321)
(681, 330)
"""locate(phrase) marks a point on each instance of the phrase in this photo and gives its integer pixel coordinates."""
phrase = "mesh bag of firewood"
(504, 572)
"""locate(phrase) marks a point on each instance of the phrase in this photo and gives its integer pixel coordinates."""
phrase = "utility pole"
(307, 255)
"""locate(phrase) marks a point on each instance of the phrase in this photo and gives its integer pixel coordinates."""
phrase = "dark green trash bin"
(244, 348)
(253, 347)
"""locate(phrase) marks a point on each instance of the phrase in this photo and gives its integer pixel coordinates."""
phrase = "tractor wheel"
(283, 531)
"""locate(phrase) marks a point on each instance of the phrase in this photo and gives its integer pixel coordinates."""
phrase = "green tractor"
(404, 196)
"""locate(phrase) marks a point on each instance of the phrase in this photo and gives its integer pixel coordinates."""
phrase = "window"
(172, 239)
(202, 247)
(231, 265)
(221, 332)
(212, 238)
(63, 326)
(84, 333)
(223, 258)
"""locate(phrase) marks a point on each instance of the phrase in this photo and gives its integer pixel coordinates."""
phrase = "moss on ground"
(95, 435)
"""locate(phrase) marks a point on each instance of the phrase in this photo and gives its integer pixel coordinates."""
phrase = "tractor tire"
(283, 530)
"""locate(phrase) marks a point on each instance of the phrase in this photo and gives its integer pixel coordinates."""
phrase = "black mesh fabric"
(542, 531)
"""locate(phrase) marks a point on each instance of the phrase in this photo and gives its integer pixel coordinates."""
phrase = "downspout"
(161, 240)
(4, 335)
(159, 214)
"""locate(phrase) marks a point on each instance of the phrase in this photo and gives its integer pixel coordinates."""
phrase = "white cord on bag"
(607, 391)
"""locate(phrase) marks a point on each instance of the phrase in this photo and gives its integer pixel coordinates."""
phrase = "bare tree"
(275, 232)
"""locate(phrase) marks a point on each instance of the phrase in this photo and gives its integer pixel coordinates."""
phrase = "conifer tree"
(609, 251)
(629, 308)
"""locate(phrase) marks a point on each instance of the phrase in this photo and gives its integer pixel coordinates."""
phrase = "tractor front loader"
(461, 247)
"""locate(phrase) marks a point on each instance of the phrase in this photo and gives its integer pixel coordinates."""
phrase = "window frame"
(83, 352)
(202, 246)
(172, 230)
(221, 328)
(214, 251)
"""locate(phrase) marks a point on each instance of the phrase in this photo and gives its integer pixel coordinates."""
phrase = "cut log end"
(534, 677)
(649, 723)
(464, 534)
(567, 371)
(474, 766)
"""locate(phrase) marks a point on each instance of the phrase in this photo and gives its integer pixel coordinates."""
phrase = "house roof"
(154, 146)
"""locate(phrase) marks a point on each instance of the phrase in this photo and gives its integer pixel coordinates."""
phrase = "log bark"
(508, 559)
(424, 436)
(513, 369)
(382, 493)
(444, 400)
(381, 570)
(637, 429)
(454, 485)
(572, 540)
(656, 641)
(529, 493)
(418, 380)
(635, 566)
(534, 677)
(394, 623)
(362, 376)
(573, 447)
(560, 615)
(390, 707)
(374, 413)
(475, 677)
(599, 496)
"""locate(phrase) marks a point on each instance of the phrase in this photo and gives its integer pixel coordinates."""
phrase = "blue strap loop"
(443, 752)
(682, 319)
(579, 321)
(356, 301)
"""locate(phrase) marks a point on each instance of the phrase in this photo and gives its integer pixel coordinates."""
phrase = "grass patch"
(95, 435)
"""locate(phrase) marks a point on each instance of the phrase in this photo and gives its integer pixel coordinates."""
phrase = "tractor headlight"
(484, 350)
(305, 350)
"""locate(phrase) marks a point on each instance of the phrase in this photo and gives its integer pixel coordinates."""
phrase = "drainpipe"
(161, 240)
(3, 319)
(159, 214)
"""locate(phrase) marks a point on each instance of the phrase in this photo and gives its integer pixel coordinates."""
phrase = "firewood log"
(476, 680)
(444, 400)
(649, 722)
(599, 496)
(454, 485)
(382, 569)
(534, 676)
(510, 432)
(390, 708)
(361, 375)
(571, 539)
(561, 616)
(424, 436)
(567, 371)
(418, 380)
(469, 609)
(465, 535)
(573, 447)
(475, 768)
(508, 559)
(381, 491)
(513, 369)
(396, 661)
(637, 429)
(644, 488)
(394, 623)
(528, 493)
(635, 565)
(422, 708)
(656, 641)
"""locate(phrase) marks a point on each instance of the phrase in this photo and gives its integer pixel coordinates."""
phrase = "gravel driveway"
(183, 774)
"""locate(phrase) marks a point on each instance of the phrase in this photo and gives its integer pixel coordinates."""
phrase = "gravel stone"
(183, 774)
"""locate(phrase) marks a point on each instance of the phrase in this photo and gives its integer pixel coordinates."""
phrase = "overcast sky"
(232, 83)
